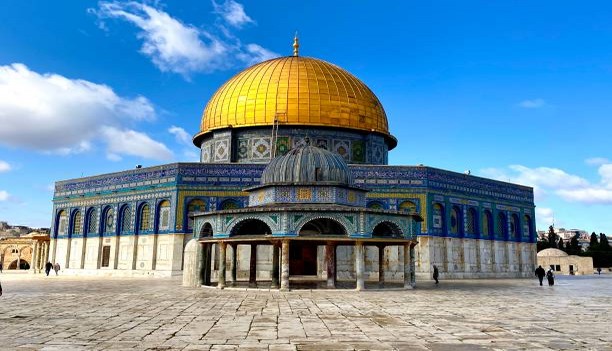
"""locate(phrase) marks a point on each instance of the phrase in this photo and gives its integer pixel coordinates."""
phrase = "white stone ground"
(74, 313)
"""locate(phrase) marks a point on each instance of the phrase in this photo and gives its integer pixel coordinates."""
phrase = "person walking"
(436, 273)
(1, 267)
(551, 277)
(56, 268)
(48, 267)
(540, 273)
(598, 269)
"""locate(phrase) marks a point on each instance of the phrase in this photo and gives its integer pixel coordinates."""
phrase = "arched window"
(92, 221)
(472, 221)
(144, 218)
(376, 205)
(515, 227)
(502, 226)
(487, 224)
(408, 207)
(126, 220)
(77, 223)
(438, 217)
(230, 204)
(456, 223)
(527, 227)
(163, 216)
(62, 223)
(195, 205)
(108, 220)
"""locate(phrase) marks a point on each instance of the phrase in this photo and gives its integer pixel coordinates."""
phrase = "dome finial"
(296, 44)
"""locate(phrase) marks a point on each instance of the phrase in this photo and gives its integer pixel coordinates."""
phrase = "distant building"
(30, 251)
(565, 264)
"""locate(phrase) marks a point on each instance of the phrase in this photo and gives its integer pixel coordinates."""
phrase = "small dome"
(307, 165)
(552, 253)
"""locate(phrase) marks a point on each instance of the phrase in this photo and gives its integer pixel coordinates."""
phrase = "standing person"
(551, 277)
(540, 273)
(1, 267)
(436, 274)
(56, 268)
(48, 267)
(598, 269)
(0, 289)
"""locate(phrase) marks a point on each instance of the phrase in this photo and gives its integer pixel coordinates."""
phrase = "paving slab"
(94, 313)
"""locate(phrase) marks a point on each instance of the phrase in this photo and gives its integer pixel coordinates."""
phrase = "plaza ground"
(74, 313)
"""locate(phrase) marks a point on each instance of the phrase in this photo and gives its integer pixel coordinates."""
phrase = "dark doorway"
(105, 255)
(22, 265)
(303, 258)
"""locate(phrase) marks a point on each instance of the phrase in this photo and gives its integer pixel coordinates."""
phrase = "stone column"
(233, 263)
(330, 261)
(34, 257)
(381, 266)
(285, 265)
(222, 257)
(359, 266)
(407, 266)
(412, 266)
(253, 267)
(275, 265)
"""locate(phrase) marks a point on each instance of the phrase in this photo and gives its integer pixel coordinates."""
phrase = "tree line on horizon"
(599, 246)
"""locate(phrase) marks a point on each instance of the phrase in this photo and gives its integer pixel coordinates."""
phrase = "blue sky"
(517, 91)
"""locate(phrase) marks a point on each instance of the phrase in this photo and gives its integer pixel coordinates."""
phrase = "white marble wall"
(155, 255)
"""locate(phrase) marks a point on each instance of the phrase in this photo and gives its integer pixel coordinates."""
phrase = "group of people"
(550, 275)
(50, 266)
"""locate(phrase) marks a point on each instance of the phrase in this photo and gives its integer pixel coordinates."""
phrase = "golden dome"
(298, 91)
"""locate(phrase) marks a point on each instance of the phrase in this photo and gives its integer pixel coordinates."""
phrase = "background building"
(139, 221)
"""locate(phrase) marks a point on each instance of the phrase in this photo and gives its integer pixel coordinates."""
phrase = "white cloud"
(596, 161)
(4, 196)
(569, 187)
(174, 46)
(535, 103)
(590, 195)
(4, 166)
(256, 54)
(181, 135)
(542, 179)
(54, 114)
(544, 216)
(130, 142)
(233, 13)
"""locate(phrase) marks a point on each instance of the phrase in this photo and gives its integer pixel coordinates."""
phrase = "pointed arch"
(76, 223)
(501, 228)
(193, 206)
(472, 221)
(61, 223)
(144, 217)
(230, 204)
(387, 229)
(487, 224)
(250, 226)
(125, 219)
(438, 218)
(456, 221)
(162, 218)
(108, 221)
(322, 226)
(91, 221)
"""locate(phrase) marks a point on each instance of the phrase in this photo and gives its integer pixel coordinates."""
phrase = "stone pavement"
(70, 313)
